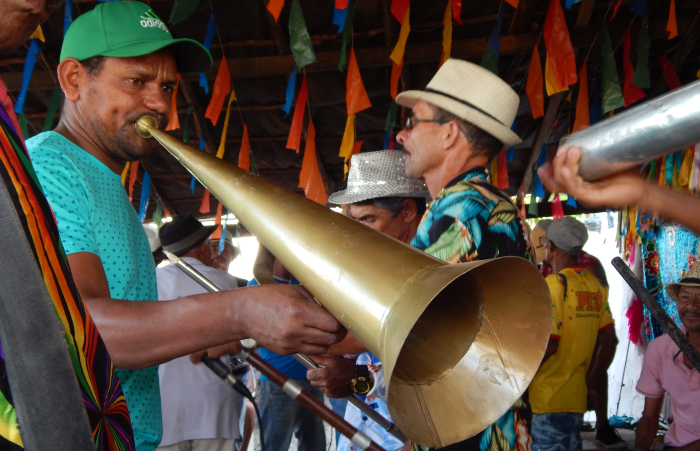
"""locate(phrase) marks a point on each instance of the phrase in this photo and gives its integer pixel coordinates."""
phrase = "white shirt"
(196, 403)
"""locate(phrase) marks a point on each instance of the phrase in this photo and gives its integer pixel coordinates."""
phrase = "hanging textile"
(291, 85)
(355, 94)
(145, 195)
(275, 8)
(298, 119)
(205, 206)
(398, 52)
(559, 48)
(550, 78)
(612, 94)
(125, 172)
(224, 131)
(668, 73)
(310, 176)
(395, 76)
(29, 63)
(339, 15)
(510, 152)
(299, 39)
(630, 92)
(67, 16)
(533, 87)
(671, 26)
(457, 9)
(208, 37)
(244, 153)
(174, 120)
(583, 118)
(390, 121)
(347, 144)
(222, 86)
(347, 35)
(639, 7)
(490, 59)
(399, 8)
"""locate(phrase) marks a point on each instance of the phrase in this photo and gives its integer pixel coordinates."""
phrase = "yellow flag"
(222, 144)
(397, 54)
(550, 79)
(125, 171)
(38, 34)
(447, 34)
(348, 142)
(684, 177)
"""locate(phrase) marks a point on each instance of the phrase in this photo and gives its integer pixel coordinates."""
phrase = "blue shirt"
(284, 363)
(94, 215)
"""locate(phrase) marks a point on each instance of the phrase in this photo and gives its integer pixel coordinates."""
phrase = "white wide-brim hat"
(378, 174)
(473, 94)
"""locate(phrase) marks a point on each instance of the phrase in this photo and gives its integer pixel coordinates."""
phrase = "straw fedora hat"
(378, 174)
(474, 94)
(690, 279)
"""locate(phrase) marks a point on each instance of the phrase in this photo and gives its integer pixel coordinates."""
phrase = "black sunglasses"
(410, 121)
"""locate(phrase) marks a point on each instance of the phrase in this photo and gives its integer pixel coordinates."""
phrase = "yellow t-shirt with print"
(579, 311)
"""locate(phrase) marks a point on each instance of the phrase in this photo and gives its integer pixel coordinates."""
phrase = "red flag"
(132, 178)
(174, 121)
(395, 75)
(513, 3)
(390, 146)
(503, 171)
(630, 92)
(204, 207)
(557, 208)
(275, 8)
(341, 4)
(457, 10)
(399, 7)
(244, 153)
(619, 2)
(298, 119)
(583, 118)
(222, 86)
(533, 87)
(559, 48)
(672, 27)
(310, 176)
(355, 95)
(669, 74)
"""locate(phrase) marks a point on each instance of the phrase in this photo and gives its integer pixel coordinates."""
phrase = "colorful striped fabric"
(102, 392)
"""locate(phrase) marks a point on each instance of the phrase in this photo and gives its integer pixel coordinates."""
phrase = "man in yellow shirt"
(561, 390)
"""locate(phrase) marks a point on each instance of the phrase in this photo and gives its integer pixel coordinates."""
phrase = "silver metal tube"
(644, 133)
(301, 358)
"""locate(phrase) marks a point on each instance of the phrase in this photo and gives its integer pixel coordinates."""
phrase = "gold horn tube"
(459, 343)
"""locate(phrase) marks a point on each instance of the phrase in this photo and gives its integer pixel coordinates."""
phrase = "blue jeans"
(282, 416)
(556, 431)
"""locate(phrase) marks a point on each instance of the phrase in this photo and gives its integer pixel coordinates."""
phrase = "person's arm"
(552, 348)
(349, 345)
(648, 425)
(138, 334)
(619, 190)
(603, 355)
(692, 446)
(335, 378)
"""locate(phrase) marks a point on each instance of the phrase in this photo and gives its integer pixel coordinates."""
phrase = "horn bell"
(458, 344)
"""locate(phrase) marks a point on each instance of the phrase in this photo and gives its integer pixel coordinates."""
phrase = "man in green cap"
(119, 62)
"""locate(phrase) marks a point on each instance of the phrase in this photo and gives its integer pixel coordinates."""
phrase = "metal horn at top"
(641, 134)
(458, 346)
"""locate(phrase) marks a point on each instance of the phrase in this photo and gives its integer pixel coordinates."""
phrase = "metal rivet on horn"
(144, 125)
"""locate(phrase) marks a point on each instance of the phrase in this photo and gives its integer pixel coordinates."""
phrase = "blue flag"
(339, 18)
(539, 189)
(291, 84)
(510, 152)
(194, 179)
(67, 16)
(208, 37)
(145, 195)
(639, 7)
(570, 3)
(29, 63)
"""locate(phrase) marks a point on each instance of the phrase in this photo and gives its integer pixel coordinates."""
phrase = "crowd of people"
(66, 183)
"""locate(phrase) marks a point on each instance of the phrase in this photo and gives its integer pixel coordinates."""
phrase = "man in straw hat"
(459, 122)
(667, 370)
(379, 195)
(118, 62)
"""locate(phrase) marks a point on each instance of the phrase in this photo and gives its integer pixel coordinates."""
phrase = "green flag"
(641, 72)
(390, 118)
(158, 214)
(347, 35)
(23, 125)
(299, 38)
(612, 93)
(182, 10)
(51, 111)
(490, 61)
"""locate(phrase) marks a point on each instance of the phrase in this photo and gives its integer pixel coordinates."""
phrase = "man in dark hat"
(118, 62)
(199, 412)
(667, 370)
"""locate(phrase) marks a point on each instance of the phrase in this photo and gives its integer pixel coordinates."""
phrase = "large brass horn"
(459, 343)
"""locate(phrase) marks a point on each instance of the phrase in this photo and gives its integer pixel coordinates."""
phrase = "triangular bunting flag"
(310, 176)
(299, 39)
(457, 9)
(397, 54)
(244, 153)
(174, 120)
(641, 72)
(550, 79)
(490, 59)
(291, 85)
(668, 73)
(395, 76)
(503, 182)
(348, 142)
(583, 118)
(559, 48)
(672, 27)
(533, 87)
(298, 119)
(630, 92)
(125, 172)
(222, 86)
(612, 94)
(355, 95)
(224, 131)
(399, 8)
(347, 35)
(182, 10)
(29, 63)
(205, 206)
(132, 178)
(275, 8)
(145, 196)
(51, 110)
(446, 34)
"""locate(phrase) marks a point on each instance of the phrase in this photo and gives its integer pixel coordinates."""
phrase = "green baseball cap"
(125, 29)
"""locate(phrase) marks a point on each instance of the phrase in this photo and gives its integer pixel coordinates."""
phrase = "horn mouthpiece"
(145, 124)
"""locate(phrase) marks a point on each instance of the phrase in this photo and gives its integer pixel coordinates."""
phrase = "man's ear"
(70, 76)
(450, 135)
(409, 210)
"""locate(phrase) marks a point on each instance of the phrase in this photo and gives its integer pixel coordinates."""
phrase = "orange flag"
(204, 207)
(275, 8)
(355, 149)
(355, 94)
(298, 119)
(174, 121)
(395, 75)
(559, 48)
(583, 118)
(533, 88)
(310, 176)
(513, 3)
(397, 54)
(244, 153)
(446, 34)
(132, 178)
(125, 172)
(550, 79)
(222, 86)
(672, 27)
(217, 218)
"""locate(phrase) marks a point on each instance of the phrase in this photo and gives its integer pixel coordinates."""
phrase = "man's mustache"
(688, 311)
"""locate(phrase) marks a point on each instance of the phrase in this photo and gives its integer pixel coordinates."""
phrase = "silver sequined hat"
(378, 174)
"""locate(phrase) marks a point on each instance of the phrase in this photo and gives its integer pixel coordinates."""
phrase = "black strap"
(45, 391)
(463, 102)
